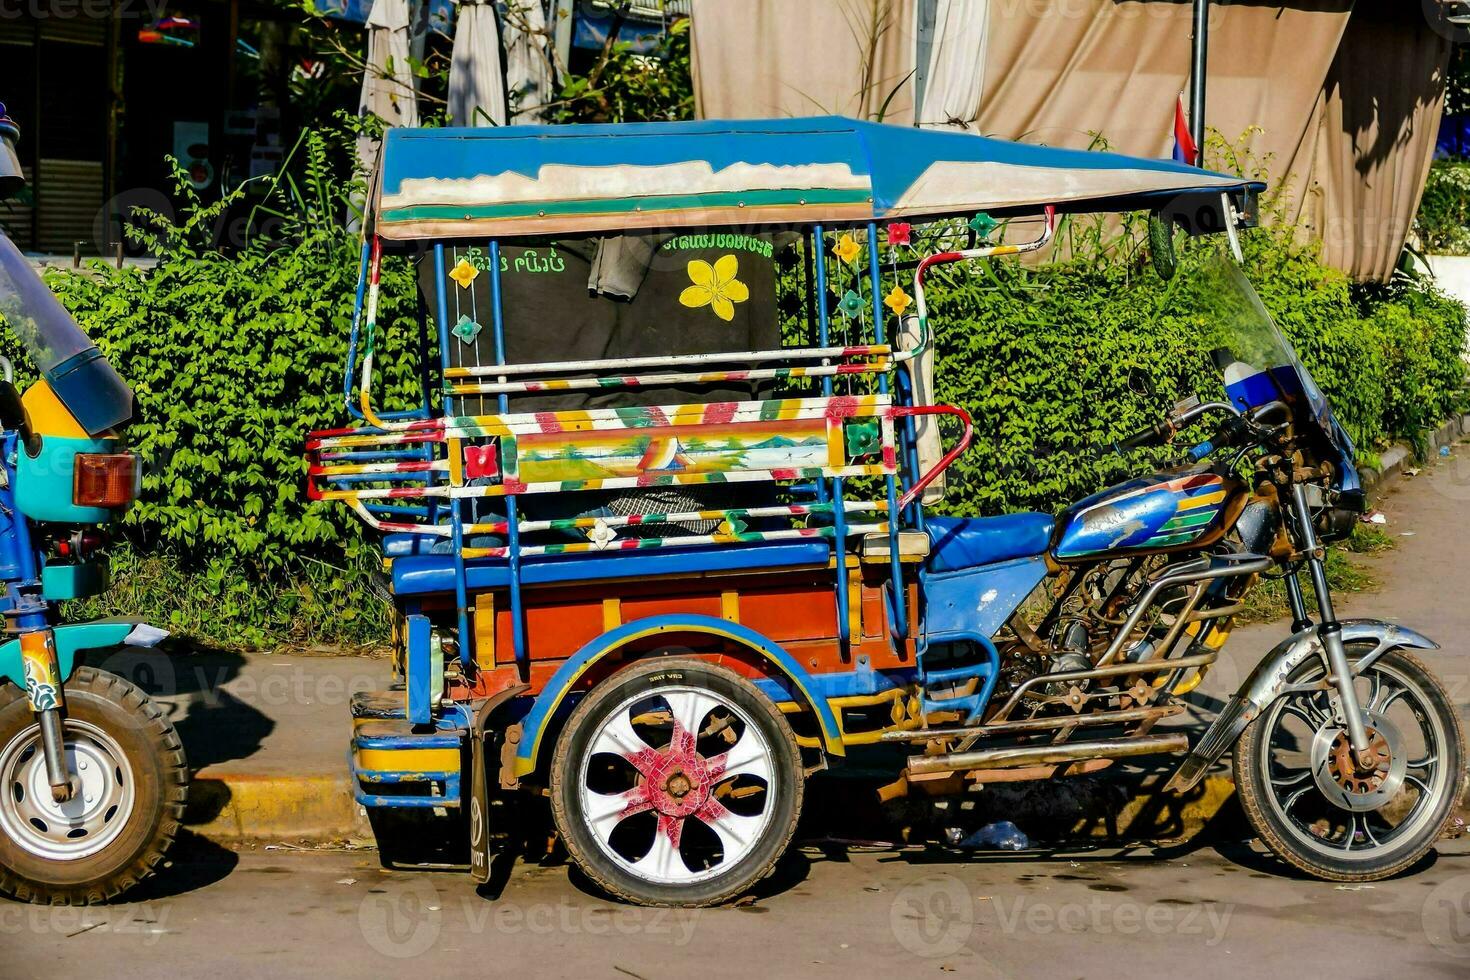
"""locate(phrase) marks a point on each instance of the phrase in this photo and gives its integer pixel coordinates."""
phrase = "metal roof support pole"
(512, 518)
(839, 516)
(1198, 69)
(895, 516)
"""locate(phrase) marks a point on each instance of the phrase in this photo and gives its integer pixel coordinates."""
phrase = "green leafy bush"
(231, 361)
(234, 360)
(1443, 222)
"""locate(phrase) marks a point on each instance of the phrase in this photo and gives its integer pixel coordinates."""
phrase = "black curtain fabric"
(690, 294)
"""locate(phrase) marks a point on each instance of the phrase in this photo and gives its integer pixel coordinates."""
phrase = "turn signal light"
(105, 479)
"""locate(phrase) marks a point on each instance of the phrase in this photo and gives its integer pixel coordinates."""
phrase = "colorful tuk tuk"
(657, 525)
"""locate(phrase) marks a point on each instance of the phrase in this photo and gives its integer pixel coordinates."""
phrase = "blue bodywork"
(1149, 513)
(810, 170)
(23, 566)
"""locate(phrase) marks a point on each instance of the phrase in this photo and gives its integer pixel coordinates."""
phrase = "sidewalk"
(267, 736)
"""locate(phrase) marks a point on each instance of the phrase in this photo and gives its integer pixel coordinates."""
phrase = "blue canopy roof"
(537, 180)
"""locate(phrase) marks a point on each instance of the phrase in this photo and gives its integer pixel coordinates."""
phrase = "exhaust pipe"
(1035, 755)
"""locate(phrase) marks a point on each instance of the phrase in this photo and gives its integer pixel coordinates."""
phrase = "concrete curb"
(235, 807)
(232, 807)
(1400, 456)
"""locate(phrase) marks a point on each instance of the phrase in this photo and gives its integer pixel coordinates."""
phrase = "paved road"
(1202, 911)
(911, 913)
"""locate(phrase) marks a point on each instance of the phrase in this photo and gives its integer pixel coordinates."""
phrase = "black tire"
(158, 782)
(779, 801)
(1400, 850)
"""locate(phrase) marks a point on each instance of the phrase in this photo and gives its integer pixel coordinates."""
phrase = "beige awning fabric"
(759, 59)
(1301, 96)
(1379, 122)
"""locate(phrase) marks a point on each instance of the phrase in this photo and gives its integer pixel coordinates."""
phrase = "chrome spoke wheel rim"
(88, 822)
(1336, 803)
(677, 786)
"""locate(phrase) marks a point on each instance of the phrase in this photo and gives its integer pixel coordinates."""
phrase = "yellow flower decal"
(464, 274)
(847, 248)
(898, 300)
(715, 286)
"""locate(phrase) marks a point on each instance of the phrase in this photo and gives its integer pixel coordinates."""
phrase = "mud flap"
(479, 809)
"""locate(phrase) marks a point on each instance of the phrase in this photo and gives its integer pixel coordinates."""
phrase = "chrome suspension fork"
(1329, 633)
(26, 621)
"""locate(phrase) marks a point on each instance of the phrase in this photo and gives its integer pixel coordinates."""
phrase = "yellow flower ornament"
(897, 301)
(715, 286)
(847, 248)
(464, 274)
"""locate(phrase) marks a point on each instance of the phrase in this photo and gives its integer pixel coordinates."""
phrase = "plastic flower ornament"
(715, 286)
(847, 248)
(464, 273)
(897, 301)
(466, 330)
(900, 233)
(852, 304)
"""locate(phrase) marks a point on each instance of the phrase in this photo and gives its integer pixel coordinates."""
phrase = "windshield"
(1256, 363)
(66, 356)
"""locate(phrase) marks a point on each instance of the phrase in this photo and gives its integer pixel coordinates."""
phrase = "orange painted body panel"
(795, 609)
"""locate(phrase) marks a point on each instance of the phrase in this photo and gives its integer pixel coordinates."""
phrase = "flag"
(1184, 149)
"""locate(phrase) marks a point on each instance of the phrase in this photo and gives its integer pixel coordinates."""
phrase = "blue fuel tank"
(1162, 512)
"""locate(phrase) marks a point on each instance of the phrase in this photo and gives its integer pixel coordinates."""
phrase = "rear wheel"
(1339, 817)
(132, 781)
(676, 782)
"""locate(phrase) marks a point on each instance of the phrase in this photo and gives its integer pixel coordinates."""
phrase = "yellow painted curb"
(1166, 816)
(237, 807)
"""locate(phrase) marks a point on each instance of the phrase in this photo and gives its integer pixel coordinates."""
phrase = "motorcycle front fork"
(43, 688)
(1329, 632)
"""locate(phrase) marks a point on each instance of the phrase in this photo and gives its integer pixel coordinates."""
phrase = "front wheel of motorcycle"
(1340, 817)
(131, 780)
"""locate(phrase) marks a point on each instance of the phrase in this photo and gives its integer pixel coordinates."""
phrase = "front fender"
(74, 637)
(1269, 679)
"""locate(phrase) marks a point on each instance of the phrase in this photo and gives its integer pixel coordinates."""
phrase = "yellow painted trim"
(730, 606)
(612, 614)
(48, 416)
(1204, 501)
(408, 760)
(854, 606)
(485, 631)
(456, 462)
(836, 451)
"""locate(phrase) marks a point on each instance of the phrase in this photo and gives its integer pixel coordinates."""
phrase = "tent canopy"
(536, 180)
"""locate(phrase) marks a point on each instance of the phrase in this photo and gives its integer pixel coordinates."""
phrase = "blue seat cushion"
(424, 573)
(965, 542)
(403, 544)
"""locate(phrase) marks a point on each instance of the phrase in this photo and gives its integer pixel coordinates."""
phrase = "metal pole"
(1199, 62)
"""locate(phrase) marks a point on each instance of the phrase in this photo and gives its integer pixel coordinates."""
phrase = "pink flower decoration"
(899, 233)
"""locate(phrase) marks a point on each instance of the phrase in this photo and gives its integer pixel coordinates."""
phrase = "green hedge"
(1443, 221)
(233, 360)
(1054, 361)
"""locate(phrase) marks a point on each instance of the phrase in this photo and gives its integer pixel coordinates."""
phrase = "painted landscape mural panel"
(609, 454)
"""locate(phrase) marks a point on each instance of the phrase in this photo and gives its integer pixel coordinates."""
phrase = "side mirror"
(12, 178)
(12, 411)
